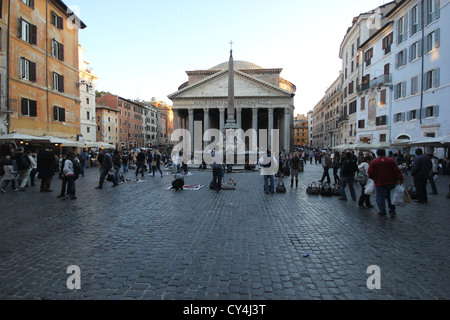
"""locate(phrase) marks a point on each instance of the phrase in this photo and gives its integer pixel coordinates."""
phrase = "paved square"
(143, 241)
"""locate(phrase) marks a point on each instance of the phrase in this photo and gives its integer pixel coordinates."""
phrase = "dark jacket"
(348, 168)
(23, 162)
(421, 167)
(107, 163)
(46, 164)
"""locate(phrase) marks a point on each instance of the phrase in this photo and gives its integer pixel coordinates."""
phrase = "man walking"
(269, 165)
(107, 166)
(23, 168)
(326, 164)
(386, 174)
(217, 160)
(421, 171)
(348, 170)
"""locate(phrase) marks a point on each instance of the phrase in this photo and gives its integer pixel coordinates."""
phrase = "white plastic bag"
(398, 196)
(370, 188)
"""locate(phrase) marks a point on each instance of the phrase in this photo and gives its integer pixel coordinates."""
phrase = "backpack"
(22, 162)
(362, 176)
(77, 170)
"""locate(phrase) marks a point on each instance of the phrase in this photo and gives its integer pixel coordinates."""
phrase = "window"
(57, 21)
(57, 50)
(399, 117)
(401, 34)
(98, 128)
(431, 79)
(28, 32)
(88, 130)
(59, 114)
(400, 59)
(363, 103)
(381, 121)
(383, 137)
(361, 124)
(29, 107)
(414, 16)
(350, 87)
(27, 70)
(58, 82)
(432, 10)
(414, 85)
(432, 40)
(400, 90)
(415, 50)
(368, 56)
(29, 3)
(387, 42)
(432, 111)
(352, 107)
(413, 114)
(383, 97)
(88, 115)
(87, 100)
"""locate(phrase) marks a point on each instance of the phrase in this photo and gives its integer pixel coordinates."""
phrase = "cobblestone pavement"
(143, 241)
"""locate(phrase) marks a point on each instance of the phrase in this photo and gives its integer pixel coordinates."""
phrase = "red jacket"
(384, 171)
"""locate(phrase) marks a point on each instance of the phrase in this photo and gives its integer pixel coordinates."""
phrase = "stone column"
(222, 120)
(191, 127)
(176, 125)
(287, 129)
(206, 123)
(255, 119)
(239, 117)
(270, 127)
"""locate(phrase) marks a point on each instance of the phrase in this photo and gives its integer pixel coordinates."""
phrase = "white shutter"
(437, 38)
(437, 9)
(436, 111)
(436, 79)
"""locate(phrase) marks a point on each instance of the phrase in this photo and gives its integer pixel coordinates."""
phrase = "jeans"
(268, 188)
(157, 168)
(432, 184)
(116, 175)
(217, 178)
(24, 175)
(71, 191)
(141, 166)
(325, 175)
(83, 167)
(383, 193)
(344, 182)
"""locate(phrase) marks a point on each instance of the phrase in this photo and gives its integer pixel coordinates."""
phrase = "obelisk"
(231, 121)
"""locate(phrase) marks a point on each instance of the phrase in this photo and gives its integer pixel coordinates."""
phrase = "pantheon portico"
(262, 100)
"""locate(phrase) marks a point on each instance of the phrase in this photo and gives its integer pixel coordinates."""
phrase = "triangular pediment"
(216, 86)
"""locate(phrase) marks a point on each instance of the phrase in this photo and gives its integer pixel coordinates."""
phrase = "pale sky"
(142, 49)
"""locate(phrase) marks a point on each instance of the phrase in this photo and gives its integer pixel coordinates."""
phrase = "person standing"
(363, 176)
(269, 166)
(69, 175)
(140, 164)
(326, 164)
(125, 159)
(34, 170)
(421, 171)
(157, 162)
(295, 167)
(46, 167)
(83, 158)
(386, 174)
(117, 165)
(336, 163)
(217, 160)
(348, 170)
(433, 173)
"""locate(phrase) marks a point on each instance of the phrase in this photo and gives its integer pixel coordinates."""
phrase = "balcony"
(381, 80)
(342, 119)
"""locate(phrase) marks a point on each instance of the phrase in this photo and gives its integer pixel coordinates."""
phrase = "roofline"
(395, 8)
(70, 13)
(376, 34)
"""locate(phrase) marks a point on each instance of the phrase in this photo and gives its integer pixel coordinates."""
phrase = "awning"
(13, 137)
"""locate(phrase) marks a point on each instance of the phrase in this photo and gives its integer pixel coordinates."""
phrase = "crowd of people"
(21, 169)
(385, 170)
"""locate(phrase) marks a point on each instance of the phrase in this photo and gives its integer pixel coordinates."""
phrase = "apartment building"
(421, 77)
(331, 108)
(42, 95)
(363, 27)
(130, 120)
(301, 132)
(107, 121)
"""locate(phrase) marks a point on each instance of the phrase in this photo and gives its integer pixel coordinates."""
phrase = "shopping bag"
(398, 196)
(370, 188)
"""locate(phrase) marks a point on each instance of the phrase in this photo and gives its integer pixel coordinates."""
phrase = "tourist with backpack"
(362, 177)
(348, 170)
(83, 158)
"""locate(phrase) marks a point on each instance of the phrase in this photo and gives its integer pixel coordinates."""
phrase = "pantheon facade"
(262, 100)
